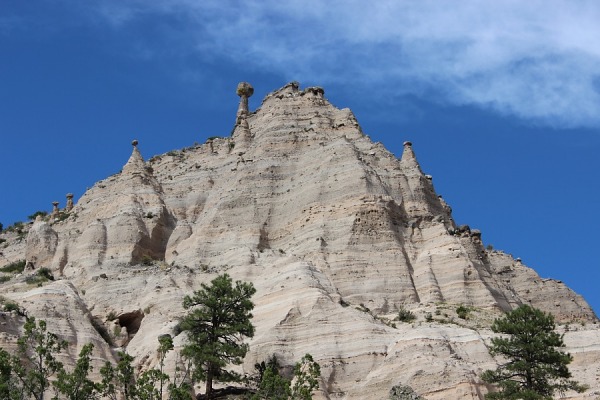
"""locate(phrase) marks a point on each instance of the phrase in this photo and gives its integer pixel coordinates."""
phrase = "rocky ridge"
(334, 231)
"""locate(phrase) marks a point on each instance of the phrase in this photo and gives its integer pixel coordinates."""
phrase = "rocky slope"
(334, 231)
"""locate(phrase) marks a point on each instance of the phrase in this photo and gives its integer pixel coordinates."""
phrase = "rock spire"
(136, 161)
(241, 131)
(69, 206)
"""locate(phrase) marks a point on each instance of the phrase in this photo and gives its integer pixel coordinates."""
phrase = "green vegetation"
(405, 315)
(534, 367)
(14, 267)
(218, 320)
(43, 275)
(462, 312)
(61, 216)
(274, 386)
(9, 305)
(16, 227)
(75, 385)
(27, 373)
(33, 216)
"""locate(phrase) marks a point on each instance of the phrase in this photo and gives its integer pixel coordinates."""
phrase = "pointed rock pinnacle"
(409, 160)
(55, 209)
(242, 129)
(69, 206)
(136, 161)
(244, 90)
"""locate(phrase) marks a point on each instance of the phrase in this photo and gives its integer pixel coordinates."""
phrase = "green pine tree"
(76, 385)
(534, 367)
(35, 360)
(218, 320)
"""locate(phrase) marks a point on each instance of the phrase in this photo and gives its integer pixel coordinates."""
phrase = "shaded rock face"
(335, 232)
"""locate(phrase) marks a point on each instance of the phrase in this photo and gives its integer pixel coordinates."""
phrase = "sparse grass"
(61, 216)
(111, 316)
(14, 267)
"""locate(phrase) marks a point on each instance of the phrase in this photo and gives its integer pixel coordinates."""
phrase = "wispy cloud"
(537, 60)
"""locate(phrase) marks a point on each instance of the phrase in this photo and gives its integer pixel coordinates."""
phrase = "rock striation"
(335, 232)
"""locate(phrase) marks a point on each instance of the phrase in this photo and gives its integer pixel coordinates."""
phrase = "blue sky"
(500, 99)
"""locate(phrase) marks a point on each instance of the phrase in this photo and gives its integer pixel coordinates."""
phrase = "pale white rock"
(334, 231)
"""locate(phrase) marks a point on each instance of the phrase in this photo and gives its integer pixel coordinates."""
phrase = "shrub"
(41, 276)
(33, 216)
(428, 317)
(4, 278)
(147, 260)
(14, 267)
(61, 216)
(11, 306)
(405, 315)
(45, 273)
(462, 312)
(16, 227)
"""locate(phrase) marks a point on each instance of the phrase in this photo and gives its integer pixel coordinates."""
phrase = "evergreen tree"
(271, 384)
(534, 367)
(76, 385)
(306, 375)
(36, 359)
(218, 320)
(118, 381)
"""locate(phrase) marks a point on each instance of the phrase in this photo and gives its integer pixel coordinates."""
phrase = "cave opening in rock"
(131, 321)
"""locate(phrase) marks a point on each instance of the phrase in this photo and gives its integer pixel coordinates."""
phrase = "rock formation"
(334, 231)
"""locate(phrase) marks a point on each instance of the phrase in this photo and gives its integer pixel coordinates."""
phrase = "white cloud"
(538, 60)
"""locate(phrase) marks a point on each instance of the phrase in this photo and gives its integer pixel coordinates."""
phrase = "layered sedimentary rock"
(335, 232)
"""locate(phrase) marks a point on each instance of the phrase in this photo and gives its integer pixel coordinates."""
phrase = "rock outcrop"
(335, 232)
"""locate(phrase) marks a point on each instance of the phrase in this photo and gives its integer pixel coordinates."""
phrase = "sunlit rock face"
(336, 233)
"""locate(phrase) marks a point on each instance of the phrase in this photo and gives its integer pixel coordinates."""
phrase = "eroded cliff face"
(335, 232)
